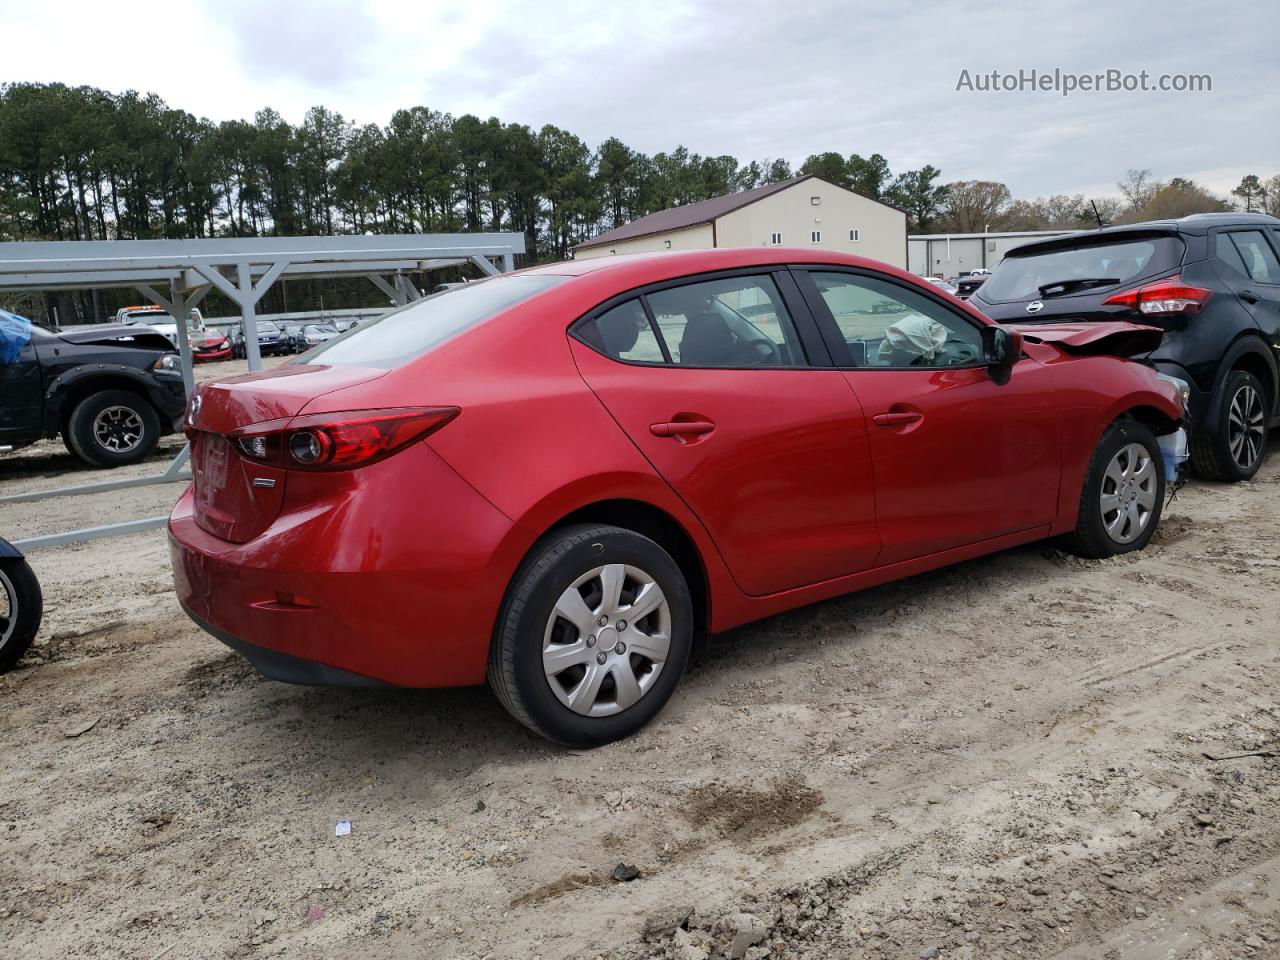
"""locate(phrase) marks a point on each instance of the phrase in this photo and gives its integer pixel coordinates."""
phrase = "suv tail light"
(1169, 295)
(338, 441)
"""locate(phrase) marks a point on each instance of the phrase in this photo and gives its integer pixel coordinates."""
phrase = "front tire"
(593, 636)
(112, 428)
(1232, 450)
(1123, 493)
(21, 607)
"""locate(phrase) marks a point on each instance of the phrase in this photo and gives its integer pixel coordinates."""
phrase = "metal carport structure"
(177, 274)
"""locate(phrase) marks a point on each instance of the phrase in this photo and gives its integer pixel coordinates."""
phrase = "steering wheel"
(765, 350)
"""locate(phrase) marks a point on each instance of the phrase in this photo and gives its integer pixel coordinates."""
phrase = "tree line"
(80, 163)
(84, 163)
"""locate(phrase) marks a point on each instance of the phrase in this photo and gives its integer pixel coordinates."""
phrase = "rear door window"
(1255, 257)
(623, 333)
(727, 322)
(1090, 267)
(408, 333)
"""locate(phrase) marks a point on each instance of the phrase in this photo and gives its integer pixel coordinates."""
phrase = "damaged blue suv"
(1211, 282)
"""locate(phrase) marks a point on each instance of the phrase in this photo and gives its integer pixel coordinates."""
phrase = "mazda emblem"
(1035, 306)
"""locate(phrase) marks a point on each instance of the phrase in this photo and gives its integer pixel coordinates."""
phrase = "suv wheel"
(593, 636)
(1232, 449)
(112, 428)
(1123, 493)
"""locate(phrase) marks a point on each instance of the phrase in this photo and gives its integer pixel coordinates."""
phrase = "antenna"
(1096, 215)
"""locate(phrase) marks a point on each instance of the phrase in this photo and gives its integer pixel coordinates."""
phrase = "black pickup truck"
(111, 391)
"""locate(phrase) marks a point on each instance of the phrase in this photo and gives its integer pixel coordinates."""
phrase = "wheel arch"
(1252, 355)
(1156, 420)
(659, 526)
(68, 391)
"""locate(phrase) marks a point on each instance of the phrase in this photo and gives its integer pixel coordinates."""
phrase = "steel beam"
(392, 293)
(91, 533)
(488, 268)
(171, 475)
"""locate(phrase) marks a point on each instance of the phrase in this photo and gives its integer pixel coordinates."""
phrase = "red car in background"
(552, 478)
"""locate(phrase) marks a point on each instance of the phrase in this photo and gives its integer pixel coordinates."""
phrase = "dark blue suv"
(1210, 281)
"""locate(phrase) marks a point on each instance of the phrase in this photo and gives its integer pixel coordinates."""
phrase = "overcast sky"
(752, 79)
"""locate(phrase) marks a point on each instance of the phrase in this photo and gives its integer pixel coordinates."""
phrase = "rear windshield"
(1079, 270)
(411, 331)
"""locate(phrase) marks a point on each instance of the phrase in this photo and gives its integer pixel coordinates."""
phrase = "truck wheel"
(21, 607)
(113, 428)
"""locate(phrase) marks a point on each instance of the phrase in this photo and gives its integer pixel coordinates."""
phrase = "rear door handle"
(680, 428)
(1248, 296)
(897, 419)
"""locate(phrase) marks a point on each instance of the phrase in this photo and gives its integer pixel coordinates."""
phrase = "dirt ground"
(1007, 758)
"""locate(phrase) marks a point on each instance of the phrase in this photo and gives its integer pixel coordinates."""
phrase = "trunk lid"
(237, 498)
(1116, 337)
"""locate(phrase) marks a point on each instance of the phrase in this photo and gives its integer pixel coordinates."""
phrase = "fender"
(8, 551)
(646, 488)
(55, 394)
(1247, 344)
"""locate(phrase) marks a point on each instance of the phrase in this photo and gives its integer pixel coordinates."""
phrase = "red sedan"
(553, 478)
(210, 346)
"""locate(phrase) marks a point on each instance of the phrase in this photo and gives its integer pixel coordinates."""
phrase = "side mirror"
(1003, 348)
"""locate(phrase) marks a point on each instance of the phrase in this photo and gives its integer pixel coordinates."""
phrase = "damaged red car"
(551, 479)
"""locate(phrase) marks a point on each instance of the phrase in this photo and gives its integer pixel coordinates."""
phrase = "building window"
(668, 243)
(815, 200)
(776, 239)
(815, 236)
(855, 235)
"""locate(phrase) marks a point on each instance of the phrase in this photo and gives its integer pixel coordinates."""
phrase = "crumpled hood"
(1117, 337)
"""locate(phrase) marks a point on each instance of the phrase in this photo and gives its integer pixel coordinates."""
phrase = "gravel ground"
(1007, 758)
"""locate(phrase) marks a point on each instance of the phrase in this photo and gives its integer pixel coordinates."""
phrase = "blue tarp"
(15, 333)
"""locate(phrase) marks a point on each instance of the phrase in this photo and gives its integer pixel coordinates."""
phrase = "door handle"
(897, 419)
(681, 428)
(1248, 296)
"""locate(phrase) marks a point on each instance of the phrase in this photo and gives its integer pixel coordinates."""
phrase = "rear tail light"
(1169, 295)
(338, 441)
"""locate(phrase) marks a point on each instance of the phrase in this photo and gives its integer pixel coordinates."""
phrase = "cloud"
(749, 78)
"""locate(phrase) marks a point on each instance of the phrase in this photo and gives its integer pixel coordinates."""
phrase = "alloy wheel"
(118, 429)
(1245, 427)
(607, 640)
(1130, 486)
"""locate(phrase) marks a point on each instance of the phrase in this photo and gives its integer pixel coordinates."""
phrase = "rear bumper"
(285, 668)
(372, 581)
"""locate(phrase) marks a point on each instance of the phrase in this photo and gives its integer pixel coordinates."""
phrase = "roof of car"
(677, 263)
(1196, 224)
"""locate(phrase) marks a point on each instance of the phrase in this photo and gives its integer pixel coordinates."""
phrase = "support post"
(392, 293)
(248, 318)
(508, 262)
(484, 264)
(245, 293)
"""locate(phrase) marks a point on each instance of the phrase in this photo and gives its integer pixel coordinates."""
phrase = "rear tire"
(1233, 449)
(1123, 493)
(112, 428)
(564, 674)
(21, 608)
